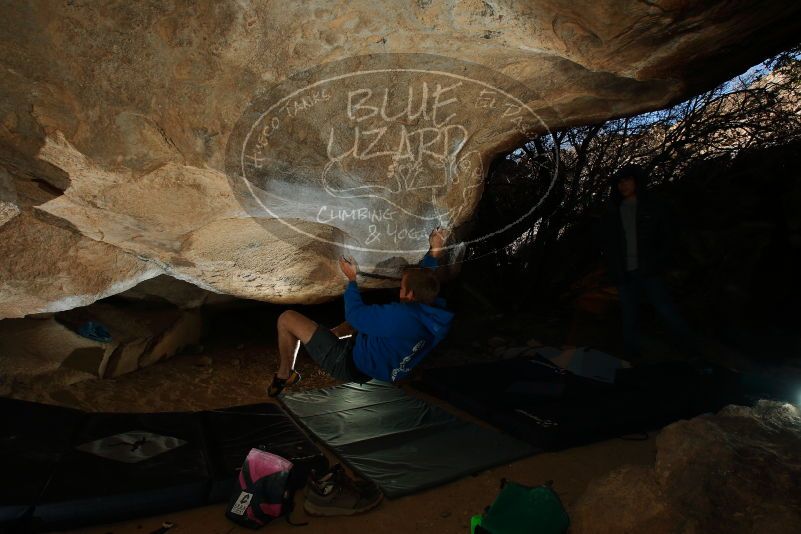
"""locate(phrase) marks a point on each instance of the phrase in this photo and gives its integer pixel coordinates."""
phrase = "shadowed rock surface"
(736, 471)
(49, 351)
(118, 122)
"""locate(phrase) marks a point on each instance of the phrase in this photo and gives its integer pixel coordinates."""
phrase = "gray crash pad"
(400, 442)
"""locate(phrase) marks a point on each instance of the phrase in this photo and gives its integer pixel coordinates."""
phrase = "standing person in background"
(637, 239)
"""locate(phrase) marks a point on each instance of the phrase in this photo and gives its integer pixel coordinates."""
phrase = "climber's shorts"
(334, 355)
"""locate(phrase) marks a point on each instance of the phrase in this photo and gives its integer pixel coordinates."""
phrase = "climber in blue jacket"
(376, 341)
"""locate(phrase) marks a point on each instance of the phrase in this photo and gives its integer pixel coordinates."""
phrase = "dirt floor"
(446, 509)
(234, 366)
(222, 376)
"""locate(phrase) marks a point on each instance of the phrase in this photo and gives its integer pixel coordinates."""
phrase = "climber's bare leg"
(292, 327)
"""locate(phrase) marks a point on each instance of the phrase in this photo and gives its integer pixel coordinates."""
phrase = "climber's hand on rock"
(349, 267)
(436, 240)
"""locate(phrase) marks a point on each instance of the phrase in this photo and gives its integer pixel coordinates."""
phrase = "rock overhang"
(133, 112)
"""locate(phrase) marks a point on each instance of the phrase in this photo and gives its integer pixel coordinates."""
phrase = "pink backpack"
(261, 493)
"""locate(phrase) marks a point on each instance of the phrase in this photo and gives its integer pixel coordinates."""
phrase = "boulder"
(166, 289)
(185, 331)
(140, 334)
(32, 349)
(644, 506)
(243, 146)
(125, 357)
(738, 471)
(8, 198)
(47, 268)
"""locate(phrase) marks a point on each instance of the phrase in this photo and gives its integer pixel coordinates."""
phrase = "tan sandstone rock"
(47, 350)
(8, 198)
(237, 146)
(34, 347)
(738, 471)
(46, 268)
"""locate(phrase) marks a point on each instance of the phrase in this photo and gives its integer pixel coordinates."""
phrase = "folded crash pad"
(400, 442)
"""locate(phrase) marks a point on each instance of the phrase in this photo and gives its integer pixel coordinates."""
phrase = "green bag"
(522, 509)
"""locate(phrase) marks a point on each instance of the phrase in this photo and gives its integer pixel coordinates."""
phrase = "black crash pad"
(400, 442)
(553, 409)
(234, 431)
(33, 439)
(65, 468)
(89, 486)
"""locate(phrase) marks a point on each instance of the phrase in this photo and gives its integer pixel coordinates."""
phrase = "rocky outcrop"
(737, 472)
(45, 268)
(47, 351)
(8, 198)
(164, 289)
(138, 140)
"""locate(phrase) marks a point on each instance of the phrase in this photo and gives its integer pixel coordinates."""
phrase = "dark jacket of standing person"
(653, 229)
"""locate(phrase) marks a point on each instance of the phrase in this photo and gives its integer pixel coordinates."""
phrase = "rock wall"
(122, 126)
(738, 471)
(46, 352)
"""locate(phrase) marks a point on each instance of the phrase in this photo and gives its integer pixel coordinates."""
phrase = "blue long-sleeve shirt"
(392, 338)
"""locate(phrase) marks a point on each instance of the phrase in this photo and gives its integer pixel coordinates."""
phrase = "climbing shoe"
(334, 475)
(278, 384)
(335, 493)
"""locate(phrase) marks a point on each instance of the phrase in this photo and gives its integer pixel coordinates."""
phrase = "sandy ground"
(223, 376)
(445, 510)
(235, 368)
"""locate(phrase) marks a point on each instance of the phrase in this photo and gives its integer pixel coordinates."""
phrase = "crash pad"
(401, 442)
(66, 468)
(33, 439)
(553, 409)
